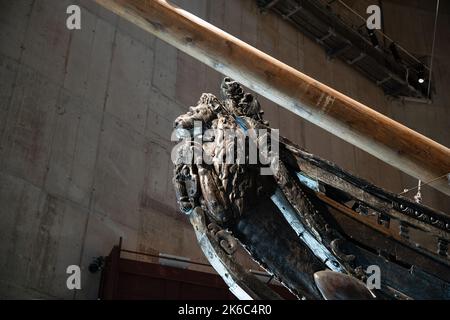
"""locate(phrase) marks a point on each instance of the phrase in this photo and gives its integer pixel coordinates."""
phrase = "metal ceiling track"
(395, 72)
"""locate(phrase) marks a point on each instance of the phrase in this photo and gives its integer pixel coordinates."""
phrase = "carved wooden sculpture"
(313, 226)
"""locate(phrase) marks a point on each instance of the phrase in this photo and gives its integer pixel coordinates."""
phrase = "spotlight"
(421, 75)
(97, 264)
(373, 37)
(395, 53)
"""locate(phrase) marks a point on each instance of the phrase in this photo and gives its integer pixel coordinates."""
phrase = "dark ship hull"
(322, 232)
(408, 241)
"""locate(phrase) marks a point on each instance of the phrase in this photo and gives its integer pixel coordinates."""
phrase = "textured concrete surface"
(85, 123)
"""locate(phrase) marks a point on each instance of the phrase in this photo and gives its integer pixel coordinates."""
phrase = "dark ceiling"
(428, 5)
(346, 37)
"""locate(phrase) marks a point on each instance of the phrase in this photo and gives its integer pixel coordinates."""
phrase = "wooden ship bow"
(321, 231)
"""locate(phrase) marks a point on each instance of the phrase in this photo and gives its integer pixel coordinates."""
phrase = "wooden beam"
(329, 109)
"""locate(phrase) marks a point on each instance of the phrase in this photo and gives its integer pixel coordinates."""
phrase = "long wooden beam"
(331, 110)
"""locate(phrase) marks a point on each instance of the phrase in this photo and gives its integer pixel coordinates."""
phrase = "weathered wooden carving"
(316, 228)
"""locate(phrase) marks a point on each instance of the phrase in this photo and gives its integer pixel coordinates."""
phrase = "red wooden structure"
(125, 279)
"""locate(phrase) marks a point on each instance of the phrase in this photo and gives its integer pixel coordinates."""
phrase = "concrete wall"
(86, 117)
